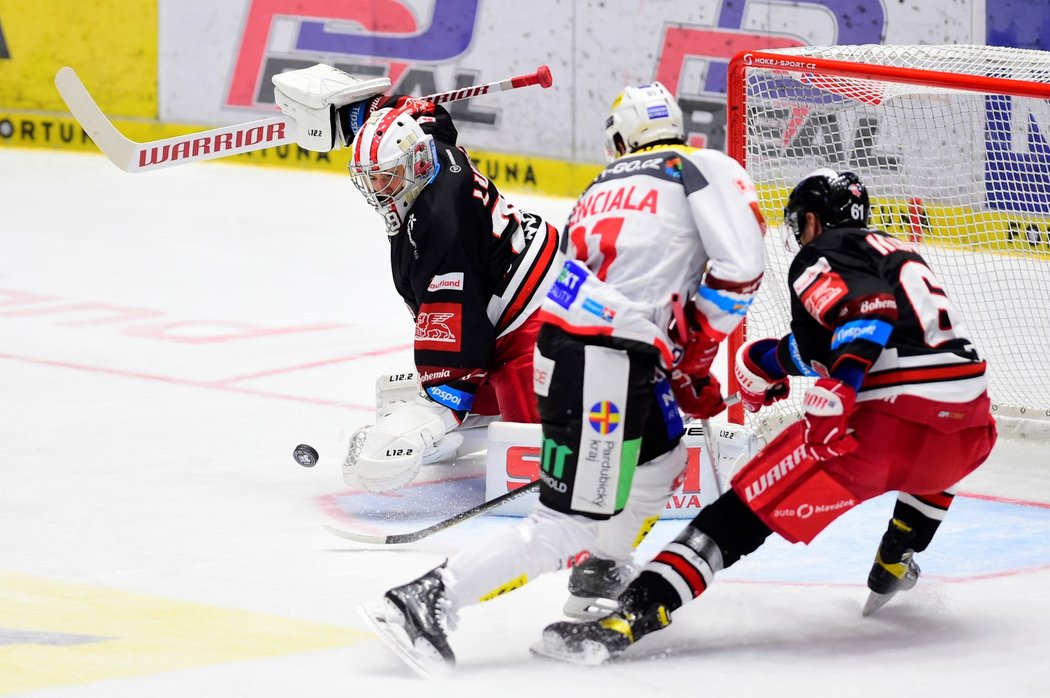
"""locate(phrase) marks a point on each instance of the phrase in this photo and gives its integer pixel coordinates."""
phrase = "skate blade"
(875, 602)
(387, 623)
(552, 646)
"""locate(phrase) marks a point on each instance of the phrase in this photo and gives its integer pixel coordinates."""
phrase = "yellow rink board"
(538, 175)
(950, 226)
(112, 44)
(58, 633)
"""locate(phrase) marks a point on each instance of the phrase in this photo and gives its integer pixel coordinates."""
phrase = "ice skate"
(595, 587)
(886, 579)
(596, 641)
(412, 620)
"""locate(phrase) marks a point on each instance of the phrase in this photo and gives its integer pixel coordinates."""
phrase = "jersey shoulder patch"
(819, 288)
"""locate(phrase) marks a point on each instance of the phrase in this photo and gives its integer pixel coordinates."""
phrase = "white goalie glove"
(312, 96)
(389, 454)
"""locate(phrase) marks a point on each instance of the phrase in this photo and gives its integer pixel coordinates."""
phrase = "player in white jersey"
(665, 256)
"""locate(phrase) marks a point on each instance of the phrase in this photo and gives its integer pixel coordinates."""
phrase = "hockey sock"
(914, 523)
(737, 530)
(720, 535)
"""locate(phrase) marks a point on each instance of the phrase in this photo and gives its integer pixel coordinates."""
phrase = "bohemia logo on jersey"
(281, 35)
(438, 326)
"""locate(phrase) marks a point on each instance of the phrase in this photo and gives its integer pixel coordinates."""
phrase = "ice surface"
(168, 338)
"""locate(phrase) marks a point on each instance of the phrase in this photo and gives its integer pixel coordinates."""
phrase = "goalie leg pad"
(394, 390)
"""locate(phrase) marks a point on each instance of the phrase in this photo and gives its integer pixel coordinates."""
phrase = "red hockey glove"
(758, 389)
(699, 398)
(698, 349)
(828, 405)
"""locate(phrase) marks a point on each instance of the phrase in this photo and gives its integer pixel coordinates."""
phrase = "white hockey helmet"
(392, 160)
(640, 116)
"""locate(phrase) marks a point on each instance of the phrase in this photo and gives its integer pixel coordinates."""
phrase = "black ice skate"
(412, 620)
(887, 578)
(595, 586)
(596, 641)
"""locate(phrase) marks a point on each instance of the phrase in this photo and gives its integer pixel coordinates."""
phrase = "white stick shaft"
(541, 77)
(712, 455)
(133, 156)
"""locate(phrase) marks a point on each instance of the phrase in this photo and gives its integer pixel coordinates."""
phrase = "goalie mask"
(837, 200)
(640, 116)
(392, 161)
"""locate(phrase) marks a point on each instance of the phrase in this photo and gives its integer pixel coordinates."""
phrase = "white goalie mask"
(640, 116)
(392, 161)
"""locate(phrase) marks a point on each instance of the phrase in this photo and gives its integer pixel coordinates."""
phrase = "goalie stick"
(712, 453)
(133, 156)
(396, 538)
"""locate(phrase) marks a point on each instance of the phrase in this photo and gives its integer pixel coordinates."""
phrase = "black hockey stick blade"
(398, 538)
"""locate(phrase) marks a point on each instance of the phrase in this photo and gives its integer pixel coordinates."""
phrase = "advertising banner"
(217, 59)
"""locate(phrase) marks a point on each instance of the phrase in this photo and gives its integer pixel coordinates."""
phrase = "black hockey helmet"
(837, 200)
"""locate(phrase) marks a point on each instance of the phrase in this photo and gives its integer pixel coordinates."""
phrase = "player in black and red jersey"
(470, 266)
(472, 269)
(899, 404)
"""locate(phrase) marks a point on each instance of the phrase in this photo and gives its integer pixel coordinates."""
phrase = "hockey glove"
(311, 96)
(698, 348)
(827, 407)
(758, 388)
(699, 398)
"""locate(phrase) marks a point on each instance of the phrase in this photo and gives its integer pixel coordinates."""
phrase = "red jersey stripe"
(690, 574)
(924, 374)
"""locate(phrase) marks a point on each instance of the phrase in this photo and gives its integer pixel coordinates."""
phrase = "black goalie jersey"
(472, 268)
(864, 300)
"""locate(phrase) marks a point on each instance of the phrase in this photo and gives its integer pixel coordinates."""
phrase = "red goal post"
(954, 145)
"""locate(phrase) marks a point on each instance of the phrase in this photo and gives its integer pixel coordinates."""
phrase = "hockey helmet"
(640, 116)
(836, 199)
(392, 160)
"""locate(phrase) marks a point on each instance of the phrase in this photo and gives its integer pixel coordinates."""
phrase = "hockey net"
(953, 143)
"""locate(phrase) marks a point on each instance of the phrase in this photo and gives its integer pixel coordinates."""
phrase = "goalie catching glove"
(389, 454)
(322, 101)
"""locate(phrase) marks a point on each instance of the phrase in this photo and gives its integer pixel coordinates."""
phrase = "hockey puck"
(305, 456)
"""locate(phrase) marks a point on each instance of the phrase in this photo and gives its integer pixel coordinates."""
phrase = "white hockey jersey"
(661, 221)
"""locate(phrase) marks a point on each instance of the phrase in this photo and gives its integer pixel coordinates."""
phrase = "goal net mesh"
(962, 173)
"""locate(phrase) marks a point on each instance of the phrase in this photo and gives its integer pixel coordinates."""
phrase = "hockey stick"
(541, 77)
(396, 538)
(135, 156)
(712, 454)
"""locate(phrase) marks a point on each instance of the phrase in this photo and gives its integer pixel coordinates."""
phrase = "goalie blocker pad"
(312, 95)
